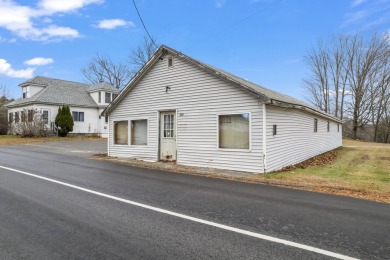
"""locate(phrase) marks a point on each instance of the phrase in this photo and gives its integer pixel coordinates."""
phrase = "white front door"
(168, 136)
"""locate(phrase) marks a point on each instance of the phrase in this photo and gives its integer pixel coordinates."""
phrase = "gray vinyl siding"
(199, 97)
(296, 140)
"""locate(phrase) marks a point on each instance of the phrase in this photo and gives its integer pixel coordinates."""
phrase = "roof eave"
(137, 77)
(303, 108)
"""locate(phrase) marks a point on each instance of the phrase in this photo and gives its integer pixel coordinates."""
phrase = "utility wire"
(139, 15)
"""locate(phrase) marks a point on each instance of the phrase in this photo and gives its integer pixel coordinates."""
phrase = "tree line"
(350, 79)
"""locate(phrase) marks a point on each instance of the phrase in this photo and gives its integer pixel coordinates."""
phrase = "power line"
(139, 15)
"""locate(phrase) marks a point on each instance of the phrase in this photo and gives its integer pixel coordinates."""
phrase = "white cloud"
(220, 3)
(2, 39)
(24, 21)
(7, 70)
(63, 6)
(113, 23)
(357, 2)
(39, 61)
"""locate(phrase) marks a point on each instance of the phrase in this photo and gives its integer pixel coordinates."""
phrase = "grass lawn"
(361, 169)
(15, 139)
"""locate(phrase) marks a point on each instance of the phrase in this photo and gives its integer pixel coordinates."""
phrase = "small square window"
(315, 125)
(274, 130)
(78, 116)
(170, 62)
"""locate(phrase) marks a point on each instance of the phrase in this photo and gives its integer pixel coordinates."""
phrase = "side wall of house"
(91, 117)
(295, 140)
(198, 99)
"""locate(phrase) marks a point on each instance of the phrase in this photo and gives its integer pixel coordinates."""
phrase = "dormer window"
(25, 91)
(170, 62)
(108, 97)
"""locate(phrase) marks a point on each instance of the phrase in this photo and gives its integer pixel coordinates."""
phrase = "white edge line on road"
(198, 220)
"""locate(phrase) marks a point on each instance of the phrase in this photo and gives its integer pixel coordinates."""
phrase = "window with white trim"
(139, 132)
(108, 97)
(45, 116)
(170, 62)
(78, 116)
(121, 132)
(328, 126)
(315, 125)
(233, 131)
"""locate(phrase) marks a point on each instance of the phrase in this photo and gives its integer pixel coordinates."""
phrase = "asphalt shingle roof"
(270, 96)
(61, 92)
(102, 86)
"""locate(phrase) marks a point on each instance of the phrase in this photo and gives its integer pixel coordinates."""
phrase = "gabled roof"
(103, 86)
(58, 92)
(266, 95)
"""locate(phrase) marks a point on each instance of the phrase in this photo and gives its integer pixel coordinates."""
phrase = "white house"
(179, 109)
(46, 95)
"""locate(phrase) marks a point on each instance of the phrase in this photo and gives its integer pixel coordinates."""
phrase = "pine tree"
(64, 121)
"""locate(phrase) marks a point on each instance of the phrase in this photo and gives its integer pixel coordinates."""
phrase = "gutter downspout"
(108, 136)
(264, 137)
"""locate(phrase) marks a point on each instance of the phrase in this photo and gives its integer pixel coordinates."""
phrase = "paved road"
(40, 219)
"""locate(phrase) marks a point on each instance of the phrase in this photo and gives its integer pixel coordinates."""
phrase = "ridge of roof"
(43, 80)
(268, 96)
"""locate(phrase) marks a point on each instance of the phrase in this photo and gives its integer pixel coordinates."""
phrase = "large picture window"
(234, 131)
(121, 132)
(139, 132)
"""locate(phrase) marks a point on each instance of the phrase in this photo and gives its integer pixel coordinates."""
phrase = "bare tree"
(103, 68)
(349, 76)
(365, 61)
(143, 52)
(119, 74)
(318, 84)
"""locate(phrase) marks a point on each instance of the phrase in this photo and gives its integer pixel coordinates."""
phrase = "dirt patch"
(385, 158)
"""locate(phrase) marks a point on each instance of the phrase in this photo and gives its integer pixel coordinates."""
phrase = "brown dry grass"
(17, 140)
(359, 169)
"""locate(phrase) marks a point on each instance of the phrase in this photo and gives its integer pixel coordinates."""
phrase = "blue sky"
(263, 41)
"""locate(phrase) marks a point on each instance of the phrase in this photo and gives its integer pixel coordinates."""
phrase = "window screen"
(120, 132)
(139, 132)
(234, 131)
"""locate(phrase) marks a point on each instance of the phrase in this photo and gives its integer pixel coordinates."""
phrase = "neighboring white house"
(45, 95)
(179, 109)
